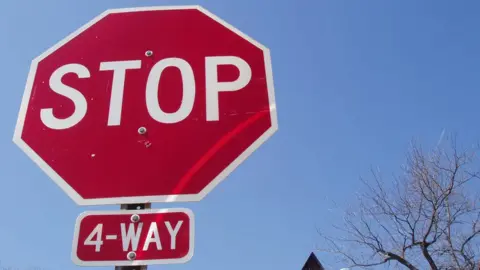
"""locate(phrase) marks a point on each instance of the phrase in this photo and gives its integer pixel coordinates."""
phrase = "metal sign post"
(139, 206)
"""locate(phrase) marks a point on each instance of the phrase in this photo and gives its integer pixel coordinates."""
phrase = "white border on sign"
(17, 137)
(126, 262)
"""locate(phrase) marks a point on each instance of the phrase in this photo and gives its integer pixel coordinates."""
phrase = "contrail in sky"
(441, 137)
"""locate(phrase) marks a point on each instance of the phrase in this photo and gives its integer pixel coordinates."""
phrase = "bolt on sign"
(141, 105)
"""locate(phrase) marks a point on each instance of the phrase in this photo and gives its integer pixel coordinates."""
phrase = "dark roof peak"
(312, 263)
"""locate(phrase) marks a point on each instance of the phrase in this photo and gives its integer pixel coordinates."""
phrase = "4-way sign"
(137, 237)
(141, 105)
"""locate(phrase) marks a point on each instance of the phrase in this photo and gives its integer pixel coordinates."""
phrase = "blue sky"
(354, 81)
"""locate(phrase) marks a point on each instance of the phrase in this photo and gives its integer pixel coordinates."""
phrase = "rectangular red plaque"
(136, 237)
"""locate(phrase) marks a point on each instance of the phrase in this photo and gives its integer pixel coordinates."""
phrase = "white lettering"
(79, 101)
(213, 86)
(188, 98)
(152, 237)
(131, 236)
(118, 84)
(97, 231)
(173, 233)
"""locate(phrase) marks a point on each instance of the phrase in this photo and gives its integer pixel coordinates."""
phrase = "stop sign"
(147, 105)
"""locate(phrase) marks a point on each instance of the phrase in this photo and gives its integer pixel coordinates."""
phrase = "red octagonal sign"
(147, 105)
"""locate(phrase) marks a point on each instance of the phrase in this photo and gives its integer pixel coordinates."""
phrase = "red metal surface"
(109, 162)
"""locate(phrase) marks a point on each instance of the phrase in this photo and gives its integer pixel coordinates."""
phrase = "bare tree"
(427, 218)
